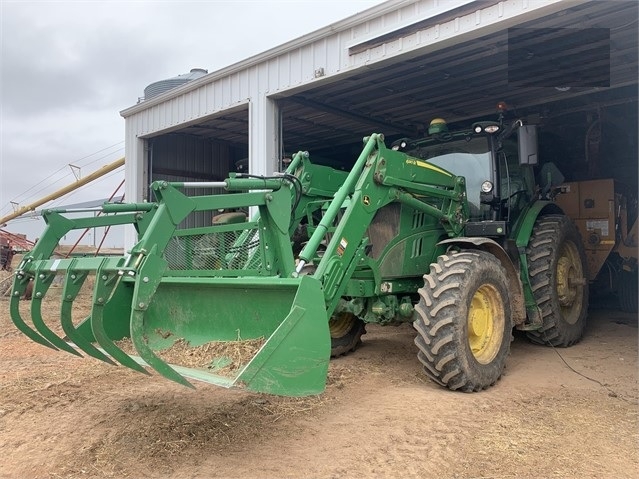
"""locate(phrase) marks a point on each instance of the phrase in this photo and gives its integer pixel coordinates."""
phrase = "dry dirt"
(569, 413)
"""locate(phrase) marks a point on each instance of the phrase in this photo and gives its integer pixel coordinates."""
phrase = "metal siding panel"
(220, 93)
(308, 67)
(195, 104)
(218, 99)
(226, 91)
(209, 98)
(202, 101)
(262, 77)
(166, 114)
(158, 114)
(319, 56)
(245, 85)
(237, 92)
(273, 75)
(296, 67)
(179, 107)
(220, 159)
(188, 105)
(332, 52)
(184, 153)
(284, 67)
(361, 31)
(234, 87)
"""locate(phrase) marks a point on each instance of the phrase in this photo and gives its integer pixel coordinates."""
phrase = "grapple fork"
(19, 288)
(73, 282)
(212, 288)
(106, 282)
(41, 285)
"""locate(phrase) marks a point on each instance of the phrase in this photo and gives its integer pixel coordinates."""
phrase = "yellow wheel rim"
(570, 282)
(486, 320)
(340, 324)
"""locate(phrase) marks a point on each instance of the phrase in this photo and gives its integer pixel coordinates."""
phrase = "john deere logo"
(366, 200)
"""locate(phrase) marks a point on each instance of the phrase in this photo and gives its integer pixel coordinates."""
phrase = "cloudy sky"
(69, 67)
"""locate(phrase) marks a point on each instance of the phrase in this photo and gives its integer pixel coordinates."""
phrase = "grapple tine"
(105, 284)
(19, 287)
(137, 321)
(151, 274)
(41, 284)
(73, 282)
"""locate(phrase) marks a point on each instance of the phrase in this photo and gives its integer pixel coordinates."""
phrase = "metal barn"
(393, 68)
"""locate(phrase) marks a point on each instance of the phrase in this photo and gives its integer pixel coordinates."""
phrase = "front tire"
(464, 321)
(346, 333)
(557, 270)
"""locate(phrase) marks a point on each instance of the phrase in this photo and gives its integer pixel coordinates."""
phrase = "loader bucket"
(260, 334)
(263, 335)
(266, 335)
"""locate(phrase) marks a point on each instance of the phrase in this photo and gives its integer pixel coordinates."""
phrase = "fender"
(526, 222)
(514, 284)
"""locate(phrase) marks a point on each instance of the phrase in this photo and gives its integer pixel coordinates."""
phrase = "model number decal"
(424, 164)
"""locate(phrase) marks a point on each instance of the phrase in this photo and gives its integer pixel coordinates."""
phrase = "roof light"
(489, 127)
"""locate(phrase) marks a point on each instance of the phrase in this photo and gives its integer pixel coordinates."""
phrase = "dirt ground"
(569, 413)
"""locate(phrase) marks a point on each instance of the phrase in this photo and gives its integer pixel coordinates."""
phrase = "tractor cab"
(496, 162)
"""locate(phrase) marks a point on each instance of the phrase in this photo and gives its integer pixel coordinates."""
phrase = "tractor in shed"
(450, 233)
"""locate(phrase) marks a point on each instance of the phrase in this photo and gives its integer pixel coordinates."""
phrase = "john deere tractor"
(449, 233)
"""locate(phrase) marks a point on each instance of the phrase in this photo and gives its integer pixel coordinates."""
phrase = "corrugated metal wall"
(193, 157)
(179, 157)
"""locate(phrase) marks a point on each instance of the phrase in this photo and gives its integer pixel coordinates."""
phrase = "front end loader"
(262, 303)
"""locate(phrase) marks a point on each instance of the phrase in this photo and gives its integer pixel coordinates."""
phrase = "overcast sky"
(69, 67)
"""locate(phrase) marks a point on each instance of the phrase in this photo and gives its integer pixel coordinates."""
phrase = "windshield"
(468, 157)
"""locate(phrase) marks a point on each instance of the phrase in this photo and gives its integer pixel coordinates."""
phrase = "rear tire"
(464, 321)
(346, 333)
(557, 270)
(627, 291)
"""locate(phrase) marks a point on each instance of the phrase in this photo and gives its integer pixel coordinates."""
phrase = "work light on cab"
(486, 187)
(489, 127)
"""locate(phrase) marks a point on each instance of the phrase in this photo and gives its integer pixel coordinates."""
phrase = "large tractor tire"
(346, 329)
(627, 291)
(346, 333)
(464, 321)
(557, 269)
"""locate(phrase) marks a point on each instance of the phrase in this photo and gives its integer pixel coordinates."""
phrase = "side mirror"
(527, 140)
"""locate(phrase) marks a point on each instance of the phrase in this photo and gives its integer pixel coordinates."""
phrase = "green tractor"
(449, 233)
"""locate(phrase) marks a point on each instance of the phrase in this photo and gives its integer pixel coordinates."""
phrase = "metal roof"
(458, 82)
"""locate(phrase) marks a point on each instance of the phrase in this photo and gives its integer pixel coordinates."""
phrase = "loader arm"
(380, 176)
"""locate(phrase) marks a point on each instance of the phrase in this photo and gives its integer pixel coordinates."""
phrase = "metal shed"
(391, 69)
